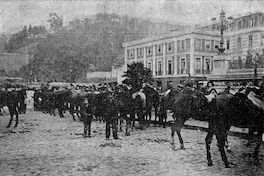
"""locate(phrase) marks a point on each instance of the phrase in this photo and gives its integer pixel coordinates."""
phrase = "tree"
(249, 61)
(240, 63)
(136, 75)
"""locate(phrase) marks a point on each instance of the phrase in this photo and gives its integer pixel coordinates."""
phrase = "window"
(239, 25)
(183, 66)
(159, 68)
(149, 50)
(170, 46)
(207, 66)
(159, 49)
(245, 23)
(198, 65)
(256, 21)
(251, 22)
(198, 44)
(183, 44)
(250, 41)
(169, 67)
(217, 43)
(238, 42)
(207, 45)
(227, 44)
(149, 66)
(140, 52)
(132, 54)
(262, 39)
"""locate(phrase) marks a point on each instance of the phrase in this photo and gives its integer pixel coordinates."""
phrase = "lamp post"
(254, 57)
(223, 25)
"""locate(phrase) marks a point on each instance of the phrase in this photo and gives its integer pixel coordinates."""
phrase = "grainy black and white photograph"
(131, 87)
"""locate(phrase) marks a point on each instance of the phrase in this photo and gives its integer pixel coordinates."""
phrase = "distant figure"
(261, 87)
(86, 116)
(227, 89)
(199, 86)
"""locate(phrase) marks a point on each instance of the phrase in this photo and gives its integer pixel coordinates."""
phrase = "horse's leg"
(72, 111)
(221, 137)
(121, 117)
(133, 118)
(227, 146)
(16, 113)
(10, 121)
(156, 113)
(178, 131)
(128, 126)
(149, 113)
(173, 129)
(259, 139)
(208, 141)
(250, 136)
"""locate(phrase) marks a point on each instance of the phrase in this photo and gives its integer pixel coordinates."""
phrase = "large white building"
(188, 54)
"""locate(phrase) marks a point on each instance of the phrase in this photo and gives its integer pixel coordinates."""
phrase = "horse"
(185, 104)
(130, 105)
(9, 99)
(152, 101)
(237, 110)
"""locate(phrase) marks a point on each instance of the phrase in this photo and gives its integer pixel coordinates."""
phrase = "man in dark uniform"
(110, 115)
(86, 116)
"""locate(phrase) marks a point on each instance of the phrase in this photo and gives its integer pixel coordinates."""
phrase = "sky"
(14, 14)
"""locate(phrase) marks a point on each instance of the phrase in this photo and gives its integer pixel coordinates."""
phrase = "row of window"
(169, 47)
(247, 22)
(182, 45)
(239, 42)
(202, 44)
(202, 66)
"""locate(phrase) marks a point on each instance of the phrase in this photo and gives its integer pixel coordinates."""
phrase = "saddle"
(255, 100)
(142, 96)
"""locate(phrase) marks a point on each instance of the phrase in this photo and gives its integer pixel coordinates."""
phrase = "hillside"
(84, 45)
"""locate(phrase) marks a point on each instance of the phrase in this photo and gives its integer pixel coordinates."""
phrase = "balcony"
(183, 71)
(158, 73)
(202, 71)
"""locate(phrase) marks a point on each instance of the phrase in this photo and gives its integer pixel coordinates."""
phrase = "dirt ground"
(47, 145)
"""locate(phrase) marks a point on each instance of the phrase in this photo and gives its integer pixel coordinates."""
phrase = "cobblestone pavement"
(46, 145)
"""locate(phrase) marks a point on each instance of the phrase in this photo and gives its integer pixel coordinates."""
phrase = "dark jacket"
(86, 111)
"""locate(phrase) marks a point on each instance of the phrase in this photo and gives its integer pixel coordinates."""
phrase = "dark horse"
(185, 104)
(129, 105)
(222, 112)
(236, 110)
(10, 100)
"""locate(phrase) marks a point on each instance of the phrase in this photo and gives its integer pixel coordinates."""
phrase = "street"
(47, 145)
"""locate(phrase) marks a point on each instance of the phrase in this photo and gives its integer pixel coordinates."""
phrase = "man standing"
(86, 116)
(110, 115)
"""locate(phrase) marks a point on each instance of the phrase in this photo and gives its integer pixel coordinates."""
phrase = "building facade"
(176, 56)
(244, 43)
(188, 54)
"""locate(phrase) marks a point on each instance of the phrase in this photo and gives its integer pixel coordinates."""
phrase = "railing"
(183, 71)
(158, 72)
(202, 71)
